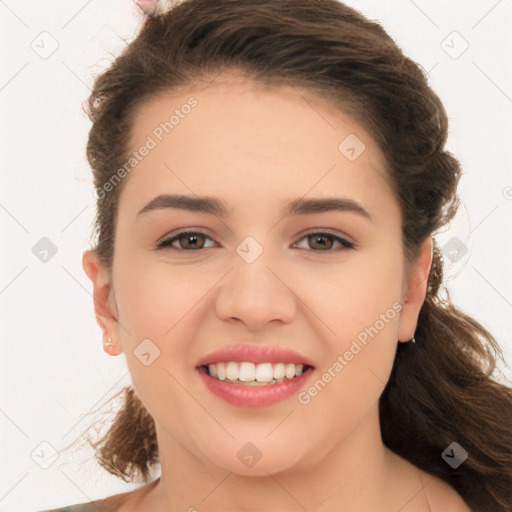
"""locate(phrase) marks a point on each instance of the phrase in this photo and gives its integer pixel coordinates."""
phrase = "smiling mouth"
(251, 374)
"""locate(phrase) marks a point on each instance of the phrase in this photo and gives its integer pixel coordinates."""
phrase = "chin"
(249, 460)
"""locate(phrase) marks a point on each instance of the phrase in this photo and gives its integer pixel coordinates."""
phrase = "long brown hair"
(442, 389)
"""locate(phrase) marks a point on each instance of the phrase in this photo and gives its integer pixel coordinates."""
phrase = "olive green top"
(81, 507)
(110, 504)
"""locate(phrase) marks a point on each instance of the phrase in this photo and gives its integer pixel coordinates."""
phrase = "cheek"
(143, 296)
(163, 299)
(354, 295)
(160, 301)
(360, 354)
(361, 307)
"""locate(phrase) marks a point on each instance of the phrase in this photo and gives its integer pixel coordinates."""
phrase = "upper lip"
(254, 354)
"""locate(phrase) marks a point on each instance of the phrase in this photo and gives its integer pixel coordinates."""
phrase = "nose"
(256, 293)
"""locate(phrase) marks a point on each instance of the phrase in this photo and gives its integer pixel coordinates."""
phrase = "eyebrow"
(216, 207)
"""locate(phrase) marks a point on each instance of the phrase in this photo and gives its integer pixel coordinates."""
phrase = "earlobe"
(417, 281)
(104, 304)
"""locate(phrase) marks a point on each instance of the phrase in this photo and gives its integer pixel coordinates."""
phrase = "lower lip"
(243, 395)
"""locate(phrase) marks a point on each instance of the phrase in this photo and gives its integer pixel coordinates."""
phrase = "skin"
(256, 148)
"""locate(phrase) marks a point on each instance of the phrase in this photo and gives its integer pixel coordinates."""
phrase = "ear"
(415, 286)
(104, 301)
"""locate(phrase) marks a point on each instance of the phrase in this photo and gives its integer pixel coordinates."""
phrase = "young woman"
(269, 176)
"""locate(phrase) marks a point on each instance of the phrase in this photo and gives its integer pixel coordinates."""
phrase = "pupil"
(192, 238)
(320, 237)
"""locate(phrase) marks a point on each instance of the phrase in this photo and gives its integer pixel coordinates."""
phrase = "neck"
(359, 473)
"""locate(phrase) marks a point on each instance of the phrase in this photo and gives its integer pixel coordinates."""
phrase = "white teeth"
(251, 373)
(232, 371)
(279, 371)
(246, 372)
(264, 372)
(221, 371)
(290, 371)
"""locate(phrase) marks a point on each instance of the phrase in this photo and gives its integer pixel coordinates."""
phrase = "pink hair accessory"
(150, 8)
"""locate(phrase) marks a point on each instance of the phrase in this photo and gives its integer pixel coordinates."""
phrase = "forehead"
(234, 136)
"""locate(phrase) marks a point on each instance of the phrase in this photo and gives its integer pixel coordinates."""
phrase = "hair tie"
(150, 8)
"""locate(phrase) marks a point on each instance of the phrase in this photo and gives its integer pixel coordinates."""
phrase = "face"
(327, 283)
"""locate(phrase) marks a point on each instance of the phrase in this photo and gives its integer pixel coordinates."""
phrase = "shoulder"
(442, 497)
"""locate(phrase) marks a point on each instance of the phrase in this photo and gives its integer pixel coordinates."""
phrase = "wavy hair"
(441, 389)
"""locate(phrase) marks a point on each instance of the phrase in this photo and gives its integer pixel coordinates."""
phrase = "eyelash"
(166, 243)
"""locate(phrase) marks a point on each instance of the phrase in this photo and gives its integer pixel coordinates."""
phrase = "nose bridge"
(253, 291)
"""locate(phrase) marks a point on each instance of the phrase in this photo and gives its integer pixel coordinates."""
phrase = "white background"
(54, 370)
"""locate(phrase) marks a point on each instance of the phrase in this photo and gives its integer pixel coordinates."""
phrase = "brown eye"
(194, 241)
(189, 240)
(321, 241)
(325, 241)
